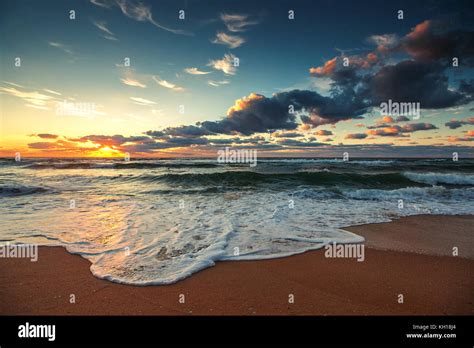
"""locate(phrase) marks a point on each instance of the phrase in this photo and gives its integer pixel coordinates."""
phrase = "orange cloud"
(323, 132)
(372, 57)
(419, 30)
(243, 103)
(387, 119)
(327, 69)
(386, 131)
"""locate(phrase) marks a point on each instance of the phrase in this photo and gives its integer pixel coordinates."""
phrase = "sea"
(157, 221)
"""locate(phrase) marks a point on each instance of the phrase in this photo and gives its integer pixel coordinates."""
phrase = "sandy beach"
(411, 256)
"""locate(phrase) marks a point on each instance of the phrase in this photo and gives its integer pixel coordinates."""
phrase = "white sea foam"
(435, 193)
(441, 178)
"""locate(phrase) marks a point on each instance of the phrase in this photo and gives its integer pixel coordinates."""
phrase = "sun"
(106, 151)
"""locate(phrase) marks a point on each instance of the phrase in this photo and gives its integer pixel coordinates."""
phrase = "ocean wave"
(441, 178)
(118, 165)
(367, 162)
(20, 190)
(197, 191)
(248, 178)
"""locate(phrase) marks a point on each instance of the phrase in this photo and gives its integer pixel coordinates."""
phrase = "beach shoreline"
(411, 256)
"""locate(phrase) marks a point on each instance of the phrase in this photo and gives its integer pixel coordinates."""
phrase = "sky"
(186, 78)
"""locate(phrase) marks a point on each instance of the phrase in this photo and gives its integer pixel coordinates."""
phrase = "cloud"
(414, 127)
(142, 101)
(150, 144)
(402, 119)
(112, 140)
(51, 91)
(167, 84)
(323, 132)
(384, 42)
(430, 41)
(61, 46)
(13, 84)
(400, 130)
(142, 13)
(181, 131)
(298, 143)
(407, 81)
(326, 69)
(231, 41)
(217, 83)
(254, 113)
(45, 145)
(237, 22)
(287, 135)
(225, 64)
(455, 139)
(101, 3)
(45, 136)
(356, 136)
(196, 71)
(59, 146)
(34, 99)
(342, 68)
(453, 124)
(422, 80)
(132, 82)
(257, 113)
(385, 121)
(412, 81)
(108, 34)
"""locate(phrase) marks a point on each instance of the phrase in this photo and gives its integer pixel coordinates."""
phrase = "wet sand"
(411, 256)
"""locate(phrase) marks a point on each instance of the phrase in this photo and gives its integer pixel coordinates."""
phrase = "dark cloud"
(430, 41)
(356, 136)
(42, 145)
(415, 82)
(257, 113)
(253, 114)
(399, 131)
(419, 78)
(58, 145)
(298, 143)
(402, 119)
(323, 132)
(45, 136)
(453, 124)
(167, 142)
(186, 131)
(414, 127)
(379, 125)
